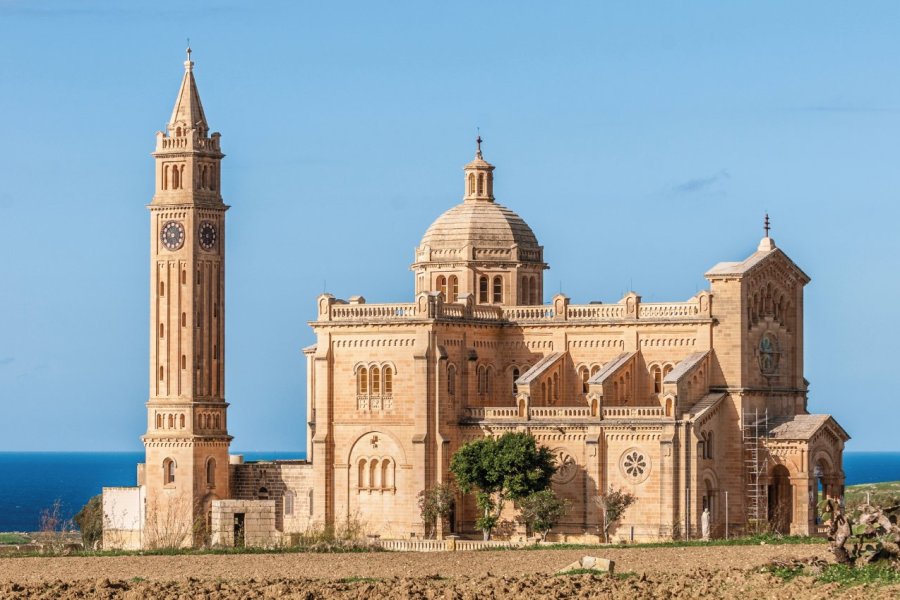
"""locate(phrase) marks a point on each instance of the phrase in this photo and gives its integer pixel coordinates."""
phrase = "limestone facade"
(694, 404)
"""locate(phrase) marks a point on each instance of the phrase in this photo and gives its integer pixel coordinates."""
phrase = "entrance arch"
(781, 500)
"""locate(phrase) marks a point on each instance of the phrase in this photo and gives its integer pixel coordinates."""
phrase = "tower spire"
(188, 112)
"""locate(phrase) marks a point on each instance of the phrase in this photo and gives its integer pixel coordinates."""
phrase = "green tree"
(436, 503)
(498, 469)
(90, 521)
(613, 505)
(542, 510)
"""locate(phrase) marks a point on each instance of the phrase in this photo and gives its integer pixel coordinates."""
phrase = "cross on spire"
(478, 141)
(767, 225)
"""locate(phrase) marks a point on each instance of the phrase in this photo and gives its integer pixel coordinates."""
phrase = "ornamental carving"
(634, 465)
(566, 467)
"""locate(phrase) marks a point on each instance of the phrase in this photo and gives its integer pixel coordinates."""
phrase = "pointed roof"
(188, 109)
(764, 252)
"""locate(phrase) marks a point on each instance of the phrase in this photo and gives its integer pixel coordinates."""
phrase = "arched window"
(171, 421)
(361, 481)
(388, 474)
(657, 379)
(442, 285)
(481, 380)
(666, 370)
(165, 177)
(543, 391)
(168, 472)
(263, 493)
(376, 380)
(176, 180)
(515, 378)
(373, 474)
(162, 373)
(216, 418)
(451, 380)
(535, 298)
(184, 319)
(481, 184)
(523, 292)
(183, 276)
(211, 472)
(288, 503)
(162, 288)
(489, 380)
(183, 361)
(594, 370)
(159, 421)
(498, 289)
(584, 375)
(668, 407)
(454, 288)
(181, 421)
(362, 380)
(483, 290)
(388, 381)
(162, 330)
(709, 445)
(471, 184)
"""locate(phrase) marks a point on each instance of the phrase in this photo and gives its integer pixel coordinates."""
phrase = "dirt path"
(391, 564)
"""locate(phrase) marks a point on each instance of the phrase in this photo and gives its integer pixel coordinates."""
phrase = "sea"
(32, 482)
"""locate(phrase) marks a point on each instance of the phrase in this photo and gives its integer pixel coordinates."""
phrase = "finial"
(478, 141)
(766, 225)
(188, 64)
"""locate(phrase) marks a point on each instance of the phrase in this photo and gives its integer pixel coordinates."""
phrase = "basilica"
(694, 405)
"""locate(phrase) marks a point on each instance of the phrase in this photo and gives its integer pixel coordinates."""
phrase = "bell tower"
(187, 437)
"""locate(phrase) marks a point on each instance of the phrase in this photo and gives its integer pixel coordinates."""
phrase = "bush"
(90, 521)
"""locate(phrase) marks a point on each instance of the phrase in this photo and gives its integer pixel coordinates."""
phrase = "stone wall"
(288, 484)
(123, 518)
(258, 522)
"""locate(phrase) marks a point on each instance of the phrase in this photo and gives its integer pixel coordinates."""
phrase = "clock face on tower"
(207, 235)
(172, 235)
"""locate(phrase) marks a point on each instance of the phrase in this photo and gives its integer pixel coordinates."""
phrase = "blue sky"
(643, 142)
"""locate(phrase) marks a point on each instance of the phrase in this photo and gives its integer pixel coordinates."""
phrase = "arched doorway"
(781, 496)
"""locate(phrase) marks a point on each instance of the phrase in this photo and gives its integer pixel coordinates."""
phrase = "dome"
(482, 225)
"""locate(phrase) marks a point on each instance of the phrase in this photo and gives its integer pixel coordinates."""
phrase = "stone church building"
(688, 405)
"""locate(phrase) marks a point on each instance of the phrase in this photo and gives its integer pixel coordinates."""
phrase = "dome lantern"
(479, 177)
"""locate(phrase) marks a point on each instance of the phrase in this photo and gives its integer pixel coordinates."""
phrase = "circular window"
(634, 465)
(566, 467)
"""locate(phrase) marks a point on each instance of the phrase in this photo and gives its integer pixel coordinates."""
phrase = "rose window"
(566, 468)
(635, 465)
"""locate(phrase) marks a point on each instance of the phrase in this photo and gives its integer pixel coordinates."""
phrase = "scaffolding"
(755, 430)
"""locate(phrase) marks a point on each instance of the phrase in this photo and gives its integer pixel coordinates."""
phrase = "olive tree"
(499, 469)
(542, 510)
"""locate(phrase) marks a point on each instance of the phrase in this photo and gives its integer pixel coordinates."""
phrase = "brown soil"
(724, 572)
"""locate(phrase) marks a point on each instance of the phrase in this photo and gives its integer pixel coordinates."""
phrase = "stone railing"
(595, 312)
(633, 412)
(540, 312)
(484, 313)
(355, 312)
(559, 412)
(431, 305)
(451, 544)
(668, 310)
(413, 545)
(482, 413)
